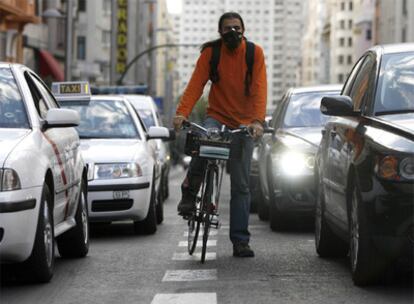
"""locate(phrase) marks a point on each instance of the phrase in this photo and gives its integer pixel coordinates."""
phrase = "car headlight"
(294, 163)
(392, 168)
(9, 180)
(117, 170)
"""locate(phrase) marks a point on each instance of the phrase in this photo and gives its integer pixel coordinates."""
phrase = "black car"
(365, 165)
(287, 156)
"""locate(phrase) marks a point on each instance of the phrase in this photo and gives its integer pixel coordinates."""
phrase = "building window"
(349, 60)
(404, 8)
(340, 59)
(340, 78)
(342, 24)
(368, 34)
(351, 6)
(350, 24)
(106, 38)
(404, 35)
(82, 5)
(81, 47)
(350, 41)
(342, 6)
(342, 42)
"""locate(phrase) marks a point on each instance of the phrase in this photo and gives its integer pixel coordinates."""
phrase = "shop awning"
(48, 65)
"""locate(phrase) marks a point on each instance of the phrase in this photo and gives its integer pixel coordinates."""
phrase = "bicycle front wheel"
(207, 211)
(193, 231)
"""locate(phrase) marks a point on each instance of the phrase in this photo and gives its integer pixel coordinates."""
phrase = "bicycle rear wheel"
(207, 211)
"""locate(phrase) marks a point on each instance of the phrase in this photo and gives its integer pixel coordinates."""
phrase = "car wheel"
(149, 224)
(367, 265)
(166, 187)
(41, 262)
(160, 209)
(278, 219)
(326, 242)
(75, 242)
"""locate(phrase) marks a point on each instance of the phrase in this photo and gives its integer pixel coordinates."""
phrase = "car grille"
(111, 205)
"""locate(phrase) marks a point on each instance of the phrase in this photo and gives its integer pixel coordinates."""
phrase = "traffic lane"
(121, 267)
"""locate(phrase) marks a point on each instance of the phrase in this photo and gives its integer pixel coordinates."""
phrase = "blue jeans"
(239, 165)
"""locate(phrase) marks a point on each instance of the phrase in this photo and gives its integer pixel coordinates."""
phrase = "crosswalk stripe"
(212, 233)
(190, 275)
(210, 243)
(184, 256)
(185, 298)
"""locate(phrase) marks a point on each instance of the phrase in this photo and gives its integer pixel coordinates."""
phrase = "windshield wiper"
(394, 112)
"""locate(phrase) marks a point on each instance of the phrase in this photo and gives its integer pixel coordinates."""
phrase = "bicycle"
(214, 146)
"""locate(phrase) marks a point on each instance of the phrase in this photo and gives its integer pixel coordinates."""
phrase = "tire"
(327, 244)
(160, 209)
(278, 220)
(166, 187)
(367, 265)
(149, 224)
(262, 210)
(41, 262)
(206, 211)
(193, 231)
(75, 242)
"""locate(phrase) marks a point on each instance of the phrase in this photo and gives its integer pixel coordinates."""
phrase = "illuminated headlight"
(295, 163)
(407, 168)
(117, 170)
(9, 180)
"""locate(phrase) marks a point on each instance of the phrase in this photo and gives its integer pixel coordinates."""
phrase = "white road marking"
(212, 232)
(184, 256)
(185, 298)
(210, 243)
(250, 226)
(190, 275)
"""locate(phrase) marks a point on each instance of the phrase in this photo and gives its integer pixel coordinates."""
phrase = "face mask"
(232, 39)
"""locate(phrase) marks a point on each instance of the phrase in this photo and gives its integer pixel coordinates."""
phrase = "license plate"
(121, 194)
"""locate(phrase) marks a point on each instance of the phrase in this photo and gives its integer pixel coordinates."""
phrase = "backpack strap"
(249, 62)
(214, 61)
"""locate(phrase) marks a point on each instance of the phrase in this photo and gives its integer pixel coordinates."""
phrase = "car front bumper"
(116, 200)
(19, 211)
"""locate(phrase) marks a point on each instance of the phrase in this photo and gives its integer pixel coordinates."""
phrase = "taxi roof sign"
(71, 90)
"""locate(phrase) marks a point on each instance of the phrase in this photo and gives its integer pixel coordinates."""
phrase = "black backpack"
(215, 59)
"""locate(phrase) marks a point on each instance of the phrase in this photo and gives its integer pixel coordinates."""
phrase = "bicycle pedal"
(214, 222)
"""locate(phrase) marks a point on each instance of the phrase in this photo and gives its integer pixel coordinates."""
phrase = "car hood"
(9, 138)
(402, 121)
(301, 138)
(113, 150)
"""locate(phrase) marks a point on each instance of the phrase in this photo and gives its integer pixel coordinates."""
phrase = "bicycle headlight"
(9, 180)
(117, 170)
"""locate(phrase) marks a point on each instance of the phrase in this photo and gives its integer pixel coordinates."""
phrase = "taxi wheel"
(41, 263)
(160, 209)
(149, 224)
(75, 242)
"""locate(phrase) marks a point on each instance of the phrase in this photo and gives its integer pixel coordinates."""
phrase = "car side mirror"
(61, 118)
(160, 133)
(339, 105)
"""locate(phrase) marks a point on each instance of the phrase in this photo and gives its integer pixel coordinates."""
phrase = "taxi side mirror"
(62, 118)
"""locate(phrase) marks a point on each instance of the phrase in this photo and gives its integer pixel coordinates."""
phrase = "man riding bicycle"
(237, 98)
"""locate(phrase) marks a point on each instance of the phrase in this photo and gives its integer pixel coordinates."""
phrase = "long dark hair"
(228, 15)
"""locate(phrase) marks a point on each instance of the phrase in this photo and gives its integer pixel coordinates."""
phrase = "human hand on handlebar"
(255, 129)
(178, 122)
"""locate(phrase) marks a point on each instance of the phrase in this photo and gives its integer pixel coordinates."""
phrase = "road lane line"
(184, 256)
(210, 243)
(190, 275)
(185, 298)
(212, 233)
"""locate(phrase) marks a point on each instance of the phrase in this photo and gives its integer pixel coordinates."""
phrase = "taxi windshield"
(303, 110)
(103, 119)
(12, 110)
(147, 117)
(395, 92)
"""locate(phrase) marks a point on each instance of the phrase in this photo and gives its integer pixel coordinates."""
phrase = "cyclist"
(235, 99)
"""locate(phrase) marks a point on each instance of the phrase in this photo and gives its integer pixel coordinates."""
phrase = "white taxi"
(43, 176)
(122, 163)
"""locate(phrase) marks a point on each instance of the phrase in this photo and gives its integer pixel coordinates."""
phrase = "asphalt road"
(124, 268)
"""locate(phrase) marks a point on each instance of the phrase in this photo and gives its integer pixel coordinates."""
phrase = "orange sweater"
(226, 101)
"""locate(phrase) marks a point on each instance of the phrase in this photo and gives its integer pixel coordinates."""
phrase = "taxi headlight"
(117, 170)
(294, 163)
(9, 180)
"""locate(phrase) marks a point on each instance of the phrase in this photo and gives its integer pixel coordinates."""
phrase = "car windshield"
(147, 117)
(103, 119)
(303, 110)
(395, 93)
(12, 110)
